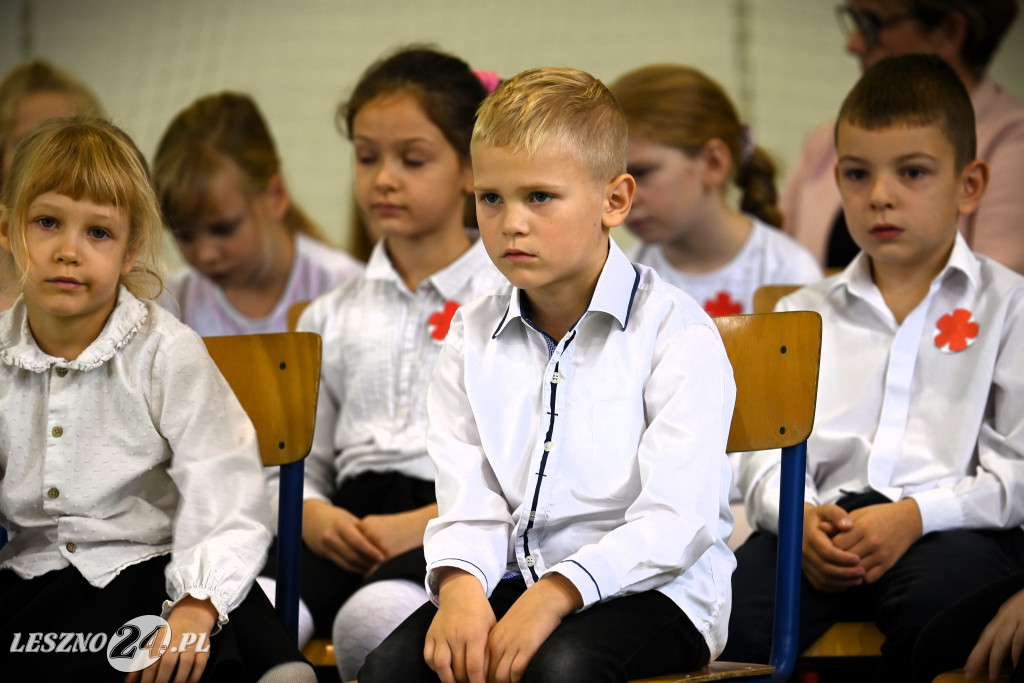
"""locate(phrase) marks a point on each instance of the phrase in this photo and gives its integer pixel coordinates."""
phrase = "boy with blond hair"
(915, 469)
(578, 422)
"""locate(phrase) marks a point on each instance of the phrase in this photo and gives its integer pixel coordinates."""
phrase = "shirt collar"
(856, 277)
(613, 295)
(449, 281)
(18, 347)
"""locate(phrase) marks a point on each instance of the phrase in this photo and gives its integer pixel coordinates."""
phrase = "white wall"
(146, 59)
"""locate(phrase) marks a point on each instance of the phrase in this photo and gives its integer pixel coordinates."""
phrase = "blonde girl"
(31, 93)
(251, 251)
(687, 144)
(116, 435)
(369, 483)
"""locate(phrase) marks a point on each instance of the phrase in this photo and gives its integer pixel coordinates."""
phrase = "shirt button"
(530, 561)
(556, 378)
(549, 446)
(61, 372)
(71, 547)
(57, 431)
(53, 492)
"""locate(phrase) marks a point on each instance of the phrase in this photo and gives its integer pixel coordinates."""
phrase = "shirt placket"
(59, 440)
(413, 332)
(892, 424)
(553, 416)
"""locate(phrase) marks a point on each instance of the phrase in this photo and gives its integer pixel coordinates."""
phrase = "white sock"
(306, 625)
(368, 617)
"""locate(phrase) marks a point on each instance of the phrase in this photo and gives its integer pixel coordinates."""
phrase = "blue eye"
(46, 222)
(541, 197)
(99, 233)
(489, 198)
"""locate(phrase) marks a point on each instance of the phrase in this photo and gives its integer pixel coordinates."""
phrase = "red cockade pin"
(956, 331)
(722, 304)
(442, 320)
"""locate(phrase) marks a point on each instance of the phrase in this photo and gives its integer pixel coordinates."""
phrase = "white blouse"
(135, 449)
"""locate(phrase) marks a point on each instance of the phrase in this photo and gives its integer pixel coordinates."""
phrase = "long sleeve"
(473, 524)
(221, 528)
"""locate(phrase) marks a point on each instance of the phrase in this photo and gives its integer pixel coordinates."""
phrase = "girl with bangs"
(116, 433)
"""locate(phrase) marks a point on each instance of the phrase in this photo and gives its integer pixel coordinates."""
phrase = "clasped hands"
(845, 549)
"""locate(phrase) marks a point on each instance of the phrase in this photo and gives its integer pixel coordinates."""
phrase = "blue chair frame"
(276, 378)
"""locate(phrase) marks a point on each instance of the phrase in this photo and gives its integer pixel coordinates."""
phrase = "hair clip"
(747, 142)
(489, 79)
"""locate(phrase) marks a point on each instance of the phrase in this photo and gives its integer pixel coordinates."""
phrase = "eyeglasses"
(867, 22)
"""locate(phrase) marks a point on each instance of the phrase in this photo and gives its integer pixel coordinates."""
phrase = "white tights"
(368, 617)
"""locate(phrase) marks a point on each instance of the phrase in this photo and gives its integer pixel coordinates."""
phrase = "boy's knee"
(567, 662)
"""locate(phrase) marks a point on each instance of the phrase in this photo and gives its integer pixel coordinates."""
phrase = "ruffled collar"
(19, 348)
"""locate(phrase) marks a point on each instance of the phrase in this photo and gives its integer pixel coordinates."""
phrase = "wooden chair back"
(276, 378)
(767, 296)
(294, 313)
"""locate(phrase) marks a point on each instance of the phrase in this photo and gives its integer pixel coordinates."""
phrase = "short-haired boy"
(915, 467)
(578, 422)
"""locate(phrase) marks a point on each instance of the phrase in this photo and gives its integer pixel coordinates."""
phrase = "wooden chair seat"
(848, 639)
(959, 676)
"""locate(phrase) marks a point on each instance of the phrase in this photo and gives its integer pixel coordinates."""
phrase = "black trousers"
(635, 636)
(324, 585)
(939, 568)
(947, 639)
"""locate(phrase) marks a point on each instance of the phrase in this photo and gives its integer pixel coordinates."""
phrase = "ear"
(954, 30)
(973, 181)
(716, 164)
(129, 260)
(618, 198)
(276, 196)
(467, 177)
(5, 238)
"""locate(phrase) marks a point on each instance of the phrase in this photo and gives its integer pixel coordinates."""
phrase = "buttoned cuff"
(431, 581)
(940, 510)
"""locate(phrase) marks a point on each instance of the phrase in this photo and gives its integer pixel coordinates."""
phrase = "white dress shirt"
(380, 341)
(316, 269)
(768, 257)
(603, 461)
(898, 414)
(135, 449)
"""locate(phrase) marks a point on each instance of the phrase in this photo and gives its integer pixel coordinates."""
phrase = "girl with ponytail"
(686, 145)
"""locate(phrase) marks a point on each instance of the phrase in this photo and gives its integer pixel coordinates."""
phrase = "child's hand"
(190, 615)
(1003, 636)
(334, 533)
(394, 534)
(828, 567)
(456, 645)
(880, 535)
(535, 615)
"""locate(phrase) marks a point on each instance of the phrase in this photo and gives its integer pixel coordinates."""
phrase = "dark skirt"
(253, 640)
(324, 585)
